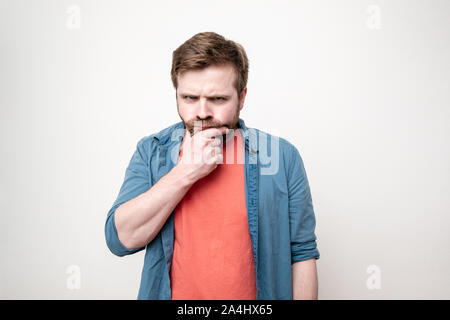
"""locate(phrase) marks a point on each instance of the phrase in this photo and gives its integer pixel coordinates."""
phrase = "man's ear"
(244, 93)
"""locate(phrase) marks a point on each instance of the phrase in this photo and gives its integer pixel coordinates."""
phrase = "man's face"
(209, 96)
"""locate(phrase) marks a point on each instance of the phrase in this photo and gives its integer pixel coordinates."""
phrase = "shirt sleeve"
(302, 220)
(136, 181)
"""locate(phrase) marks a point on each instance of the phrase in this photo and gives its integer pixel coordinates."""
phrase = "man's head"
(210, 75)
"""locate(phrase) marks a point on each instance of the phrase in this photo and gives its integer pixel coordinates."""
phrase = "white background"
(361, 88)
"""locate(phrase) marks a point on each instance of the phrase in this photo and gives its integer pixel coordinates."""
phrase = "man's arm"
(139, 220)
(304, 280)
(302, 224)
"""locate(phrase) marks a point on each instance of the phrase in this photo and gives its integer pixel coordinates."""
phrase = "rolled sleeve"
(136, 181)
(302, 220)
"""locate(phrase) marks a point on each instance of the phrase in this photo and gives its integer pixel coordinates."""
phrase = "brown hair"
(209, 48)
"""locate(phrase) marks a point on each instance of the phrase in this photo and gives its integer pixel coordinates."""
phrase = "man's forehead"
(213, 79)
(211, 91)
(208, 88)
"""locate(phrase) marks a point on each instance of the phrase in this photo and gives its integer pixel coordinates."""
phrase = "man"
(216, 221)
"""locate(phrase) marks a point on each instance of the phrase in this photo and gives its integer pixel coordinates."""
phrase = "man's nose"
(204, 111)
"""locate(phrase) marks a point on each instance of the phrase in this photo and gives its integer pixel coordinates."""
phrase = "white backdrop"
(361, 88)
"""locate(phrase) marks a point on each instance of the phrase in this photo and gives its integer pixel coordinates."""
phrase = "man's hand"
(202, 152)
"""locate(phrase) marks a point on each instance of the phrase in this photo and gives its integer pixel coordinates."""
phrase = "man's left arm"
(302, 224)
(304, 280)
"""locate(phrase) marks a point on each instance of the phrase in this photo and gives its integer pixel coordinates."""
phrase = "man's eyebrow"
(213, 96)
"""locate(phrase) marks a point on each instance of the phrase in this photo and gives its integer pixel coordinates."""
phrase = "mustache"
(196, 125)
(203, 123)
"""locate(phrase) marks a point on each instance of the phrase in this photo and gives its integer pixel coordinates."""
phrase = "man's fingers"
(212, 132)
(216, 142)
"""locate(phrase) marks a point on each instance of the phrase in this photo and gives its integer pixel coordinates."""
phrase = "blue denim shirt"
(278, 201)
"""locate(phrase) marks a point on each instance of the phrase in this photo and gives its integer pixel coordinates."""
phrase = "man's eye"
(220, 99)
(190, 97)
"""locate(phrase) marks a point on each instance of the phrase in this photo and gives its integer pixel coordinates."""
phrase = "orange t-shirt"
(212, 255)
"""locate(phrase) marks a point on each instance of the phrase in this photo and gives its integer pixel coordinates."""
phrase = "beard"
(190, 125)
